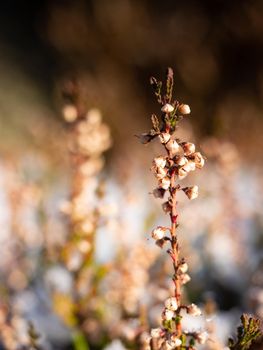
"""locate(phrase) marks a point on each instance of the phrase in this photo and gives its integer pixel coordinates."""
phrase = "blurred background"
(109, 50)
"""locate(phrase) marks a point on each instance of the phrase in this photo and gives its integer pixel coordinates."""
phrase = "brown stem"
(175, 247)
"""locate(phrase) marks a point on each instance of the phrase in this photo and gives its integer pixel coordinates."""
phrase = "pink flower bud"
(167, 108)
(171, 304)
(173, 147)
(194, 310)
(199, 160)
(158, 232)
(191, 192)
(159, 162)
(164, 137)
(188, 147)
(184, 109)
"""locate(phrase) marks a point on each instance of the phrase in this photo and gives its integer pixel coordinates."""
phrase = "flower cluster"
(180, 159)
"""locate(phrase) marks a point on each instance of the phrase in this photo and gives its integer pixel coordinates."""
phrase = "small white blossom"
(176, 341)
(201, 337)
(167, 108)
(164, 137)
(165, 183)
(171, 304)
(183, 267)
(173, 147)
(181, 160)
(190, 166)
(170, 344)
(185, 278)
(182, 173)
(70, 113)
(159, 162)
(156, 332)
(158, 232)
(194, 310)
(191, 192)
(184, 109)
(167, 315)
(161, 173)
(188, 148)
(199, 160)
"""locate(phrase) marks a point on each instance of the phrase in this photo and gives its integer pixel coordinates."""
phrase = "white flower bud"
(184, 109)
(158, 192)
(164, 137)
(171, 304)
(171, 344)
(190, 166)
(182, 173)
(191, 192)
(156, 332)
(181, 160)
(165, 183)
(194, 310)
(166, 207)
(172, 147)
(167, 315)
(177, 342)
(185, 278)
(188, 147)
(159, 162)
(158, 232)
(183, 268)
(167, 108)
(199, 160)
(161, 173)
(70, 113)
(201, 337)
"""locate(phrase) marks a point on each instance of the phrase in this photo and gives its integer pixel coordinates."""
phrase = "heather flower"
(165, 183)
(156, 332)
(181, 160)
(193, 310)
(167, 108)
(199, 160)
(164, 137)
(159, 162)
(183, 268)
(167, 315)
(184, 109)
(201, 337)
(185, 278)
(191, 192)
(158, 232)
(173, 147)
(171, 304)
(188, 148)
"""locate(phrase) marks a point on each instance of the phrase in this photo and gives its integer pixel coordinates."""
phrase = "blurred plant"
(88, 139)
(33, 337)
(249, 332)
(181, 158)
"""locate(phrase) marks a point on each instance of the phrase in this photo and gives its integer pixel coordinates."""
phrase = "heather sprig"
(180, 159)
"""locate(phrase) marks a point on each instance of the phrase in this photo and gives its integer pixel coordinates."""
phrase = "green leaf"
(79, 341)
